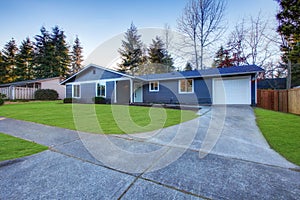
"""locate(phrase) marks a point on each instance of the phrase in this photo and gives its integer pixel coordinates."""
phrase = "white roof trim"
(199, 76)
(97, 66)
(98, 81)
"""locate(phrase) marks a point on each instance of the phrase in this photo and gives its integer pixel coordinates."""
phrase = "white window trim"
(73, 91)
(101, 83)
(150, 90)
(179, 88)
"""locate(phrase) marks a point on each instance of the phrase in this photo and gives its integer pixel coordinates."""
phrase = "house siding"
(110, 86)
(68, 91)
(94, 73)
(54, 85)
(253, 91)
(169, 93)
(87, 92)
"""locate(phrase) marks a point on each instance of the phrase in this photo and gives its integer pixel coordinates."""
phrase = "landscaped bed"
(97, 118)
(282, 132)
(12, 147)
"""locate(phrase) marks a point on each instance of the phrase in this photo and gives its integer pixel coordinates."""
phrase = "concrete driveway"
(220, 155)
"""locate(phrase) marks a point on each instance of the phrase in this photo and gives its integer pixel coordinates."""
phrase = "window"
(186, 86)
(76, 91)
(100, 90)
(154, 86)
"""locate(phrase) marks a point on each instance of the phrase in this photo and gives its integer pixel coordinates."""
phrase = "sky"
(96, 21)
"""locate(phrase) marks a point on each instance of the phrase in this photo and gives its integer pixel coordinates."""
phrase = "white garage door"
(235, 90)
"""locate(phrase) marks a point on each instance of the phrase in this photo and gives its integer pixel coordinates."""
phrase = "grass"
(282, 131)
(99, 118)
(12, 147)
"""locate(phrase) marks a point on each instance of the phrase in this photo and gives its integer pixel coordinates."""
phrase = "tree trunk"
(289, 75)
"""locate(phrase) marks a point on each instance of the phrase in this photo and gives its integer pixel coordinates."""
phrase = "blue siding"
(253, 92)
(110, 90)
(166, 94)
(169, 93)
(203, 90)
(94, 73)
(68, 91)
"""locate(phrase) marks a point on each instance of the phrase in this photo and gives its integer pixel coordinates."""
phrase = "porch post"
(13, 92)
(115, 92)
(131, 86)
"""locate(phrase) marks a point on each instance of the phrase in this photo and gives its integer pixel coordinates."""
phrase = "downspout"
(131, 85)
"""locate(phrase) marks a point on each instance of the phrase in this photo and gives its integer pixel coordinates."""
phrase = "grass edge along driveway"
(282, 131)
(113, 119)
(12, 147)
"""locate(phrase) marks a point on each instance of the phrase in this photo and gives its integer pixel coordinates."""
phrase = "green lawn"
(108, 119)
(12, 147)
(282, 132)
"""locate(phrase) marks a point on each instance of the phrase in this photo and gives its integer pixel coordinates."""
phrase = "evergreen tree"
(289, 29)
(61, 53)
(25, 61)
(159, 55)
(9, 56)
(44, 55)
(131, 51)
(2, 69)
(76, 57)
(188, 67)
(228, 57)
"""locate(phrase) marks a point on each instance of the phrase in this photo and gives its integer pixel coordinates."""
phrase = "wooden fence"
(18, 92)
(280, 100)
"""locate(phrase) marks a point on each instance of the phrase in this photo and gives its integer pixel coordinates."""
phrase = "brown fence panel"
(276, 100)
(280, 100)
(283, 101)
(294, 101)
(266, 99)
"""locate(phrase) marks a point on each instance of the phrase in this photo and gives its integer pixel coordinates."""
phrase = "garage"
(233, 90)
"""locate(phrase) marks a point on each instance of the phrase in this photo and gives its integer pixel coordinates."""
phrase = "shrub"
(68, 100)
(1, 101)
(99, 100)
(45, 94)
(2, 96)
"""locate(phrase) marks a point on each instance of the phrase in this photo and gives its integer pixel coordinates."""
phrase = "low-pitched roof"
(20, 83)
(212, 72)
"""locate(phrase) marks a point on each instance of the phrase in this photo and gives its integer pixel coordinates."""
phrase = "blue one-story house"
(232, 85)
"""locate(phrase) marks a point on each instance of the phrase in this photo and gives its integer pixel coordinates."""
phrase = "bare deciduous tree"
(256, 40)
(201, 22)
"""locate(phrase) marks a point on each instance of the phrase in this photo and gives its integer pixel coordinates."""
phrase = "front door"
(138, 93)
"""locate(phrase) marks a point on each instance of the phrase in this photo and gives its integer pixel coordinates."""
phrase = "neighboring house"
(232, 85)
(26, 89)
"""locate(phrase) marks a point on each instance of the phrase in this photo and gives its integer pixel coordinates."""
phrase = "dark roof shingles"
(203, 73)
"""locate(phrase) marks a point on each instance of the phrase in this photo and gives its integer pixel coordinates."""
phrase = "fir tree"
(52, 54)
(76, 57)
(9, 56)
(289, 28)
(159, 55)
(2, 69)
(44, 55)
(25, 61)
(61, 53)
(131, 51)
(228, 57)
(188, 67)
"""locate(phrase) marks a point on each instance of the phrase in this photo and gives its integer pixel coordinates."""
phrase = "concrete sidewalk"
(240, 164)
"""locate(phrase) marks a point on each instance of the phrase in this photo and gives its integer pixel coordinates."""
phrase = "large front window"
(101, 90)
(186, 86)
(76, 91)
